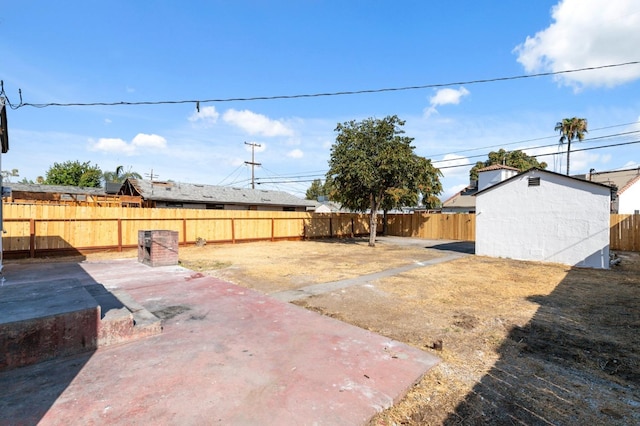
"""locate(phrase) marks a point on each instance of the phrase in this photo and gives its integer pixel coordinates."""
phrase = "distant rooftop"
(498, 167)
(622, 179)
(199, 193)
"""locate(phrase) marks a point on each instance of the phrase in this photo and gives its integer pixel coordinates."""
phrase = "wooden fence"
(38, 230)
(625, 232)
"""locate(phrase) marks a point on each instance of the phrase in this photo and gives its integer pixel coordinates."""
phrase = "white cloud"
(149, 141)
(107, 121)
(111, 145)
(445, 97)
(296, 153)
(256, 124)
(207, 115)
(586, 33)
(454, 166)
(140, 142)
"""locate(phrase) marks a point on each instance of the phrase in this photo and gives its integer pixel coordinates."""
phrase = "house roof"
(621, 179)
(211, 194)
(536, 169)
(462, 199)
(54, 189)
(497, 167)
(332, 206)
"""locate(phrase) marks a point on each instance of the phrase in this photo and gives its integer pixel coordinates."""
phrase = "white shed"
(545, 216)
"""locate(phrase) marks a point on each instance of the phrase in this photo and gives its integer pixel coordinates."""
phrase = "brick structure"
(158, 247)
(45, 320)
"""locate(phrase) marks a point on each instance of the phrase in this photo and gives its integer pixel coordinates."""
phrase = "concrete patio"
(226, 355)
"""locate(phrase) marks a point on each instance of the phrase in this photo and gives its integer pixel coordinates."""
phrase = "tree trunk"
(373, 224)
(373, 221)
(568, 153)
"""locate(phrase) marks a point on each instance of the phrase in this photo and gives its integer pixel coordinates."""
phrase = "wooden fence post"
(233, 231)
(119, 234)
(32, 238)
(330, 225)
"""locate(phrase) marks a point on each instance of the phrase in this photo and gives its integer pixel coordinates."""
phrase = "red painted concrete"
(229, 356)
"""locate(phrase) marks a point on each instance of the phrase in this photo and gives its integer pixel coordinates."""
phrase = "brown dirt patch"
(520, 342)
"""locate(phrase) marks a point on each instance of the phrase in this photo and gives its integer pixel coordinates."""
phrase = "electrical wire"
(292, 180)
(539, 146)
(558, 153)
(524, 141)
(197, 102)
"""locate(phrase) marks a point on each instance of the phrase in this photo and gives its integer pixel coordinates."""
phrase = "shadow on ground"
(40, 385)
(468, 247)
(583, 340)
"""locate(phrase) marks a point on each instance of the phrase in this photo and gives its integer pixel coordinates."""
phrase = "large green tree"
(571, 129)
(373, 166)
(316, 190)
(74, 173)
(517, 159)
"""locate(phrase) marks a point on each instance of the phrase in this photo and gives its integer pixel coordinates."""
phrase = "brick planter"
(158, 247)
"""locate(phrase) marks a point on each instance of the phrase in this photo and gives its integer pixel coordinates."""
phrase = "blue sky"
(124, 51)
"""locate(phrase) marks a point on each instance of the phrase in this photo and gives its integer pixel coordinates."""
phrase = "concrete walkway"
(312, 290)
(227, 355)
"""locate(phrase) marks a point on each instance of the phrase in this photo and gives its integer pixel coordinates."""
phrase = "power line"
(539, 146)
(293, 180)
(522, 141)
(197, 102)
(556, 153)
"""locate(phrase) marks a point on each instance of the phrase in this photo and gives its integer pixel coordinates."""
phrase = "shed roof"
(536, 169)
(197, 193)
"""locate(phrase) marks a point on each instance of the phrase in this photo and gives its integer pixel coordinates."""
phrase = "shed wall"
(562, 220)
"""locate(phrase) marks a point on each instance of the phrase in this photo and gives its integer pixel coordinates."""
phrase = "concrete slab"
(46, 320)
(227, 355)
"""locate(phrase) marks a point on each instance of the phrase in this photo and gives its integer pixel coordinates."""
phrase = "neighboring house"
(626, 183)
(194, 196)
(30, 193)
(465, 201)
(545, 216)
(330, 207)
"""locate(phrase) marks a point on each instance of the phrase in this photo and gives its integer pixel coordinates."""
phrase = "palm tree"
(570, 129)
(120, 175)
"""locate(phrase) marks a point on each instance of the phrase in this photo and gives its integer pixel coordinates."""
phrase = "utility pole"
(252, 162)
(4, 142)
(151, 175)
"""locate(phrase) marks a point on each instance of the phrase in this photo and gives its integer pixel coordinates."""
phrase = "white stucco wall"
(489, 178)
(563, 220)
(629, 200)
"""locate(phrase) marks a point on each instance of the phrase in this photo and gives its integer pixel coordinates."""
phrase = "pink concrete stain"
(234, 357)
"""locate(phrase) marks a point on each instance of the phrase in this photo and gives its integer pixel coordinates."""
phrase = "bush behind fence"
(40, 229)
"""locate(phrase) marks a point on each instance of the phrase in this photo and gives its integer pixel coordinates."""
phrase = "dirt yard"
(520, 342)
